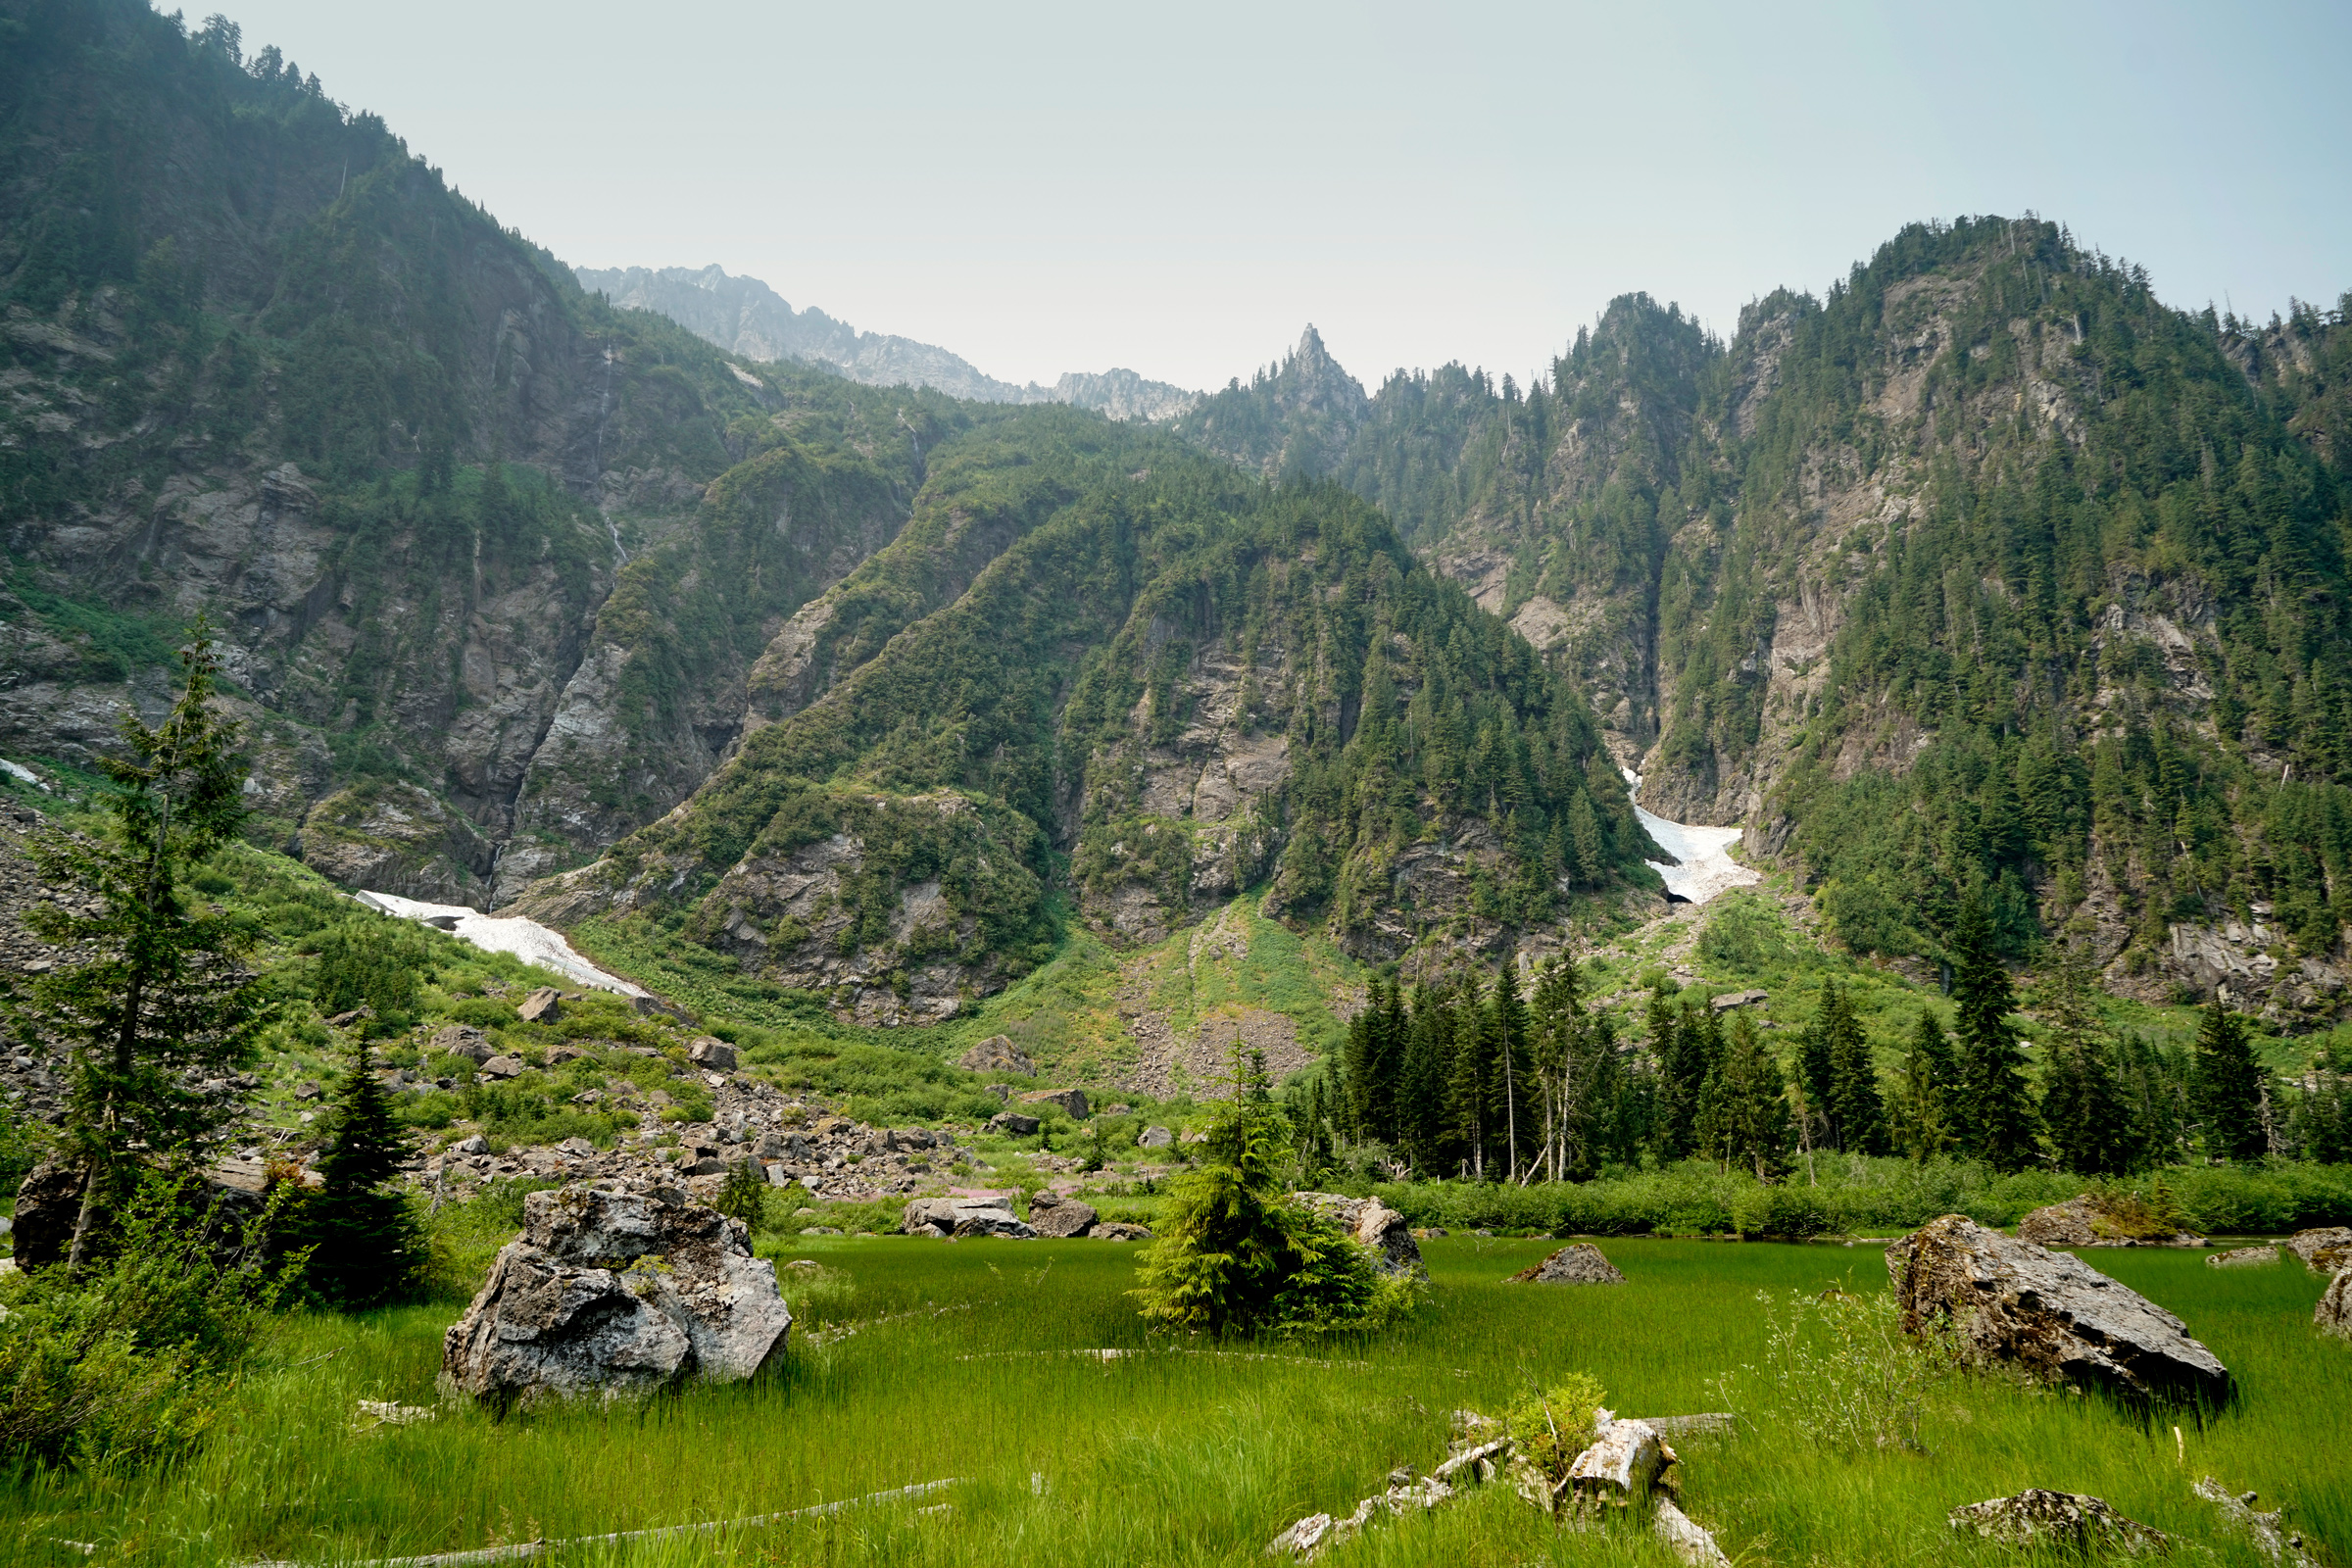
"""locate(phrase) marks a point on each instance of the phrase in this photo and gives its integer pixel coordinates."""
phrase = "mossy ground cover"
(1191, 1454)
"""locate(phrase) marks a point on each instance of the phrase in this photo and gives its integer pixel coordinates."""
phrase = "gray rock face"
(614, 1294)
(992, 1222)
(2039, 1517)
(996, 1054)
(503, 1067)
(964, 1216)
(1374, 1225)
(1156, 1138)
(48, 1202)
(2050, 1313)
(715, 1054)
(1052, 1215)
(2244, 1258)
(1119, 1231)
(2077, 1222)
(460, 1040)
(2333, 1314)
(1072, 1100)
(543, 1006)
(1578, 1264)
(1012, 1124)
(2325, 1250)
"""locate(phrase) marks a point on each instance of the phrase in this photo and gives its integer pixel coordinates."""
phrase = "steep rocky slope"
(491, 562)
(1986, 577)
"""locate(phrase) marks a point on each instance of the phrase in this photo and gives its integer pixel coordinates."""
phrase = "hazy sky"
(1179, 188)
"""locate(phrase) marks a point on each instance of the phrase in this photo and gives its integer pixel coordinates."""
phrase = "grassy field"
(915, 1361)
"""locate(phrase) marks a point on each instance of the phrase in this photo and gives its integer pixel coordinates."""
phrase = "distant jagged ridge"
(744, 316)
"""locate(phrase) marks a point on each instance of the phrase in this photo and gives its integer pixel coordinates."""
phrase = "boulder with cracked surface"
(2048, 1313)
(2073, 1521)
(2333, 1314)
(1578, 1264)
(1374, 1225)
(2323, 1250)
(611, 1294)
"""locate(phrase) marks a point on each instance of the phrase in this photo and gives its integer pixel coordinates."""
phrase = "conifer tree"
(1686, 1043)
(2229, 1087)
(1857, 1109)
(1468, 1082)
(1744, 1119)
(1507, 1076)
(1421, 1095)
(2090, 1125)
(163, 999)
(364, 1243)
(1992, 1111)
(1930, 1080)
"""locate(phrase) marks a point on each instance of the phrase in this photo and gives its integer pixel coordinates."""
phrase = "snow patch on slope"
(526, 938)
(1707, 867)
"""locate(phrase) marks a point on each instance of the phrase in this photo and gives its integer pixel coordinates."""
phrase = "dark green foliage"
(128, 1362)
(1991, 1107)
(1687, 1044)
(2091, 1125)
(370, 963)
(363, 1244)
(1841, 1081)
(1923, 1111)
(2323, 1122)
(744, 1195)
(2229, 1097)
(163, 999)
(1743, 1120)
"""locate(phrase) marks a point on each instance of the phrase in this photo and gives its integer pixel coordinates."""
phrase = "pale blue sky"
(1179, 188)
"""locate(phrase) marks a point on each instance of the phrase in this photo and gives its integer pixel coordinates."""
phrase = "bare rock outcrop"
(2244, 1258)
(1374, 1225)
(2323, 1250)
(2333, 1314)
(1051, 1215)
(2050, 1313)
(2038, 1517)
(961, 1217)
(2083, 1222)
(611, 1294)
(1578, 1264)
(998, 1054)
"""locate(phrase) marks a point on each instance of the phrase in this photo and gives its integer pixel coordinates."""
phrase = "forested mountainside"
(1987, 571)
(745, 317)
(1185, 681)
(491, 560)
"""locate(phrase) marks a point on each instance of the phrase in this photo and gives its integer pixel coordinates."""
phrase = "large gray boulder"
(2333, 1314)
(2323, 1251)
(612, 1294)
(962, 1216)
(1051, 1215)
(1577, 1264)
(2069, 1521)
(2050, 1313)
(2081, 1222)
(1374, 1225)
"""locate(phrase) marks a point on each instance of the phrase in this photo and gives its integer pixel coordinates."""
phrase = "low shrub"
(1839, 1372)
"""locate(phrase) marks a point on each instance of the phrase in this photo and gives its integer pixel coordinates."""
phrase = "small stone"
(1155, 1138)
(502, 1067)
(472, 1144)
(2070, 1520)
(1582, 1263)
(543, 1006)
(308, 1091)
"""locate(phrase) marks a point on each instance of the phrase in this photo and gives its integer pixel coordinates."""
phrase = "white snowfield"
(1707, 866)
(526, 939)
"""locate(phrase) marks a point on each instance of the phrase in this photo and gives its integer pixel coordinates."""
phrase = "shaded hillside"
(1184, 682)
(448, 513)
(1987, 571)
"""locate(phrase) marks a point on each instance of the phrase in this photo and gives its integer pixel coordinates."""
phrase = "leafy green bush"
(1552, 1427)
(370, 963)
(1745, 932)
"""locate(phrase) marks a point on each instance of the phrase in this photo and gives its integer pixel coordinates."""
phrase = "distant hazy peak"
(744, 316)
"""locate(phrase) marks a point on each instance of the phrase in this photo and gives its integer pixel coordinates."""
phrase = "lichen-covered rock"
(996, 1054)
(1072, 1100)
(2050, 1313)
(1061, 1217)
(2069, 1520)
(963, 1216)
(611, 1294)
(2244, 1258)
(2333, 1314)
(2083, 1222)
(2323, 1250)
(1578, 1264)
(1374, 1225)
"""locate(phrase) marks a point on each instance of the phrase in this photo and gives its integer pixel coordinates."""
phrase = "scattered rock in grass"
(460, 1040)
(821, 1230)
(612, 1294)
(543, 1006)
(2086, 1222)
(1577, 1264)
(1621, 1466)
(2243, 1257)
(470, 1144)
(2048, 1313)
(1686, 1536)
(308, 1091)
(1374, 1225)
(2333, 1314)
(712, 1053)
(1737, 999)
(2323, 1250)
(48, 1204)
(1000, 1090)
(2069, 1520)
(1014, 1124)
(1155, 1138)
(373, 1413)
(998, 1054)
(2268, 1530)
(502, 1067)
(1120, 1231)
(1430, 1232)
(973, 1222)
(1072, 1100)
(1061, 1217)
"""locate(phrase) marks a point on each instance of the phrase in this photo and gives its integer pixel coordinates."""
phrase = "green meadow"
(918, 1362)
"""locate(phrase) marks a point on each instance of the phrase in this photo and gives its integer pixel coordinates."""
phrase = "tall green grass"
(1191, 1453)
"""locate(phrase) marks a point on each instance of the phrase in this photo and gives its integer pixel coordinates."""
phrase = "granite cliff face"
(745, 317)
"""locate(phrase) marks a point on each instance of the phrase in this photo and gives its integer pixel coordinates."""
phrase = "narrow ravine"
(1707, 867)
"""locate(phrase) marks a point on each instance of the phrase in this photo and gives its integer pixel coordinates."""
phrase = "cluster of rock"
(2085, 1222)
(1627, 1466)
(1050, 1215)
(1374, 1225)
(2020, 1304)
(611, 1290)
(1581, 1263)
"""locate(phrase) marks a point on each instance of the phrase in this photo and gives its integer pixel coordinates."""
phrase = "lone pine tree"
(2229, 1087)
(1993, 1109)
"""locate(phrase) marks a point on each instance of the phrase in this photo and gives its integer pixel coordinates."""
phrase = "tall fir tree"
(2229, 1087)
(1687, 1041)
(1992, 1107)
(1507, 1084)
(1468, 1082)
(2091, 1128)
(163, 999)
(1421, 1092)
(365, 1245)
(1857, 1109)
(1743, 1117)
(1923, 1113)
